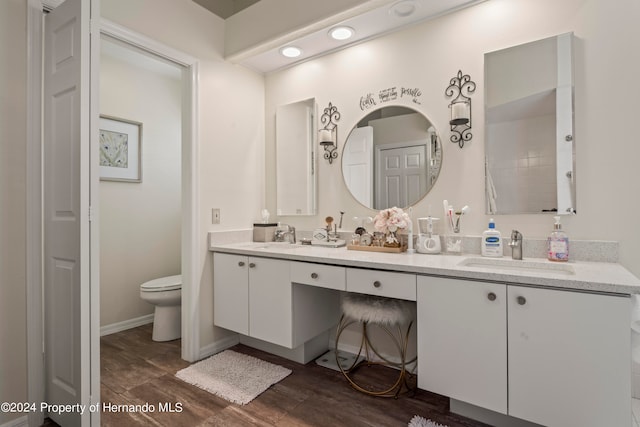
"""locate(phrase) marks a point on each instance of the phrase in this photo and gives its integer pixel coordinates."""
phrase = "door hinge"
(90, 214)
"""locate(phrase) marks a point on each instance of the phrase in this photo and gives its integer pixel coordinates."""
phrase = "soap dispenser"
(558, 243)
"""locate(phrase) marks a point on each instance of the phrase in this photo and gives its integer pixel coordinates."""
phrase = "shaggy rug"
(233, 376)
(418, 421)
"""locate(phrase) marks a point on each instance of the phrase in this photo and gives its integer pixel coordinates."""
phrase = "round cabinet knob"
(241, 264)
(251, 265)
(377, 284)
(521, 300)
(491, 296)
(314, 275)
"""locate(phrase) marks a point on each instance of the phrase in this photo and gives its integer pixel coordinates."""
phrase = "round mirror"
(392, 157)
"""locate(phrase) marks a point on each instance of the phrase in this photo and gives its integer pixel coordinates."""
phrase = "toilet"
(166, 294)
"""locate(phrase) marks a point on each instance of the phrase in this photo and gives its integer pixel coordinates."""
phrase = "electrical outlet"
(215, 216)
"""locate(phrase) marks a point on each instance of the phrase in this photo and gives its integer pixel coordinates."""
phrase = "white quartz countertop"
(580, 275)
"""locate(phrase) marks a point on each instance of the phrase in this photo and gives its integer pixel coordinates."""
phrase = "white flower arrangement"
(388, 221)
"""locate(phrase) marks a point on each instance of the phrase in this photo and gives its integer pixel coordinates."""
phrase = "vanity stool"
(395, 317)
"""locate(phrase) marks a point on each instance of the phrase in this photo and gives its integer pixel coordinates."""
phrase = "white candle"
(460, 112)
(325, 135)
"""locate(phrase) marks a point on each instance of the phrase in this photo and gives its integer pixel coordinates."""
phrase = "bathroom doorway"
(140, 179)
(188, 238)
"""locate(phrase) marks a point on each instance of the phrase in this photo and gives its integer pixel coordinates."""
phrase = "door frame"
(34, 230)
(190, 174)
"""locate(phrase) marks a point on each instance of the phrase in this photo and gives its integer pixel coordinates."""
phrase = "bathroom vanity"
(544, 342)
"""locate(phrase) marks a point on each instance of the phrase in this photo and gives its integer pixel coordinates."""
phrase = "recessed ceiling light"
(403, 8)
(291, 51)
(341, 33)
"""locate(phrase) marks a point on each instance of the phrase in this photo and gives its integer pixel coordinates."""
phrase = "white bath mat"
(418, 421)
(233, 376)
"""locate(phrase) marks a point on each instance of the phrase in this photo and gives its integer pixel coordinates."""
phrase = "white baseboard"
(18, 422)
(123, 326)
(218, 346)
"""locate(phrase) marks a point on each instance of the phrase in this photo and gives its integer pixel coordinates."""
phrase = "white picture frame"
(120, 149)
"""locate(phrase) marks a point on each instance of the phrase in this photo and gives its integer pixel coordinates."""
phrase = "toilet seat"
(169, 283)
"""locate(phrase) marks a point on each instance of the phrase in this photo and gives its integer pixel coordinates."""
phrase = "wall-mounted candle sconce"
(460, 108)
(328, 134)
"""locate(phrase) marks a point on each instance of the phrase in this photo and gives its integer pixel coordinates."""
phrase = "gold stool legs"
(401, 341)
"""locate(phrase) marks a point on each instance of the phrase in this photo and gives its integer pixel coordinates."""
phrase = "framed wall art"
(120, 149)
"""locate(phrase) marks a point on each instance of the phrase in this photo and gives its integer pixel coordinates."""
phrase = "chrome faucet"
(285, 233)
(516, 244)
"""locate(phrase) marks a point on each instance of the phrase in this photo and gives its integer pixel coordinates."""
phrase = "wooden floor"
(136, 370)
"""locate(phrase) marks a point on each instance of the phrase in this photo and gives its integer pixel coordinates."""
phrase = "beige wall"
(140, 223)
(13, 125)
(231, 124)
(428, 55)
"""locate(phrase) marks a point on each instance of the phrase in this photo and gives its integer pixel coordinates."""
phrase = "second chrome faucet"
(516, 244)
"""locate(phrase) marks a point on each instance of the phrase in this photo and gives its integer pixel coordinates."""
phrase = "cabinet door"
(270, 301)
(462, 333)
(569, 358)
(231, 292)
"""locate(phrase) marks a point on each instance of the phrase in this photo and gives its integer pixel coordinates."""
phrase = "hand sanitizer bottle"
(491, 241)
(558, 243)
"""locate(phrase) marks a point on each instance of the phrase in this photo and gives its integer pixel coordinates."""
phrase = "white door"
(231, 292)
(401, 177)
(357, 164)
(67, 140)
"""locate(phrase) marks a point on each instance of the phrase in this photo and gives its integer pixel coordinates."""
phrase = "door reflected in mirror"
(529, 164)
(392, 157)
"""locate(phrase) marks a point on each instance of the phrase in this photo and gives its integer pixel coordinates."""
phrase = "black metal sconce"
(460, 107)
(328, 134)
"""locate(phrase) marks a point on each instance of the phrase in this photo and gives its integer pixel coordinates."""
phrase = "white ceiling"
(368, 25)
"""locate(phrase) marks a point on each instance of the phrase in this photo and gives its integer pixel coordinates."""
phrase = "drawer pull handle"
(377, 284)
(251, 265)
(491, 296)
(314, 275)
(241, 264)
(521, 300)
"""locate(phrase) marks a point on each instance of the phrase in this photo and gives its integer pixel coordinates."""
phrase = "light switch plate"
(215, 216)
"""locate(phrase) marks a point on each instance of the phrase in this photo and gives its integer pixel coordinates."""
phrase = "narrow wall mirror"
(529, 164)
(296, 180)
(392, 157)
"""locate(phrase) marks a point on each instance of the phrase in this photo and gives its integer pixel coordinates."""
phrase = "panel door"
(462, 350)
(67, 140)
(357, 164)
(231, 292)
(402, 176)
(569, 358)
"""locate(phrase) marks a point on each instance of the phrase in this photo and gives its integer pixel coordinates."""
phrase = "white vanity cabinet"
(552, 357)
(252, 296)
(277, 301)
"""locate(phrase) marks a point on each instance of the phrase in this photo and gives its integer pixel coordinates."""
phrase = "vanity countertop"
(580, 275)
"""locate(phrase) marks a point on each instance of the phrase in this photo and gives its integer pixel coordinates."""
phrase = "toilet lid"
(168, 283)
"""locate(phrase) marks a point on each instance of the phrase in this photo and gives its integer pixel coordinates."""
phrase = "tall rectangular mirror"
(529, 164)
(295, 158)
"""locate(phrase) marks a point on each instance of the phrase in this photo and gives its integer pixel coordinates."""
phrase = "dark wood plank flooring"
(136, 370)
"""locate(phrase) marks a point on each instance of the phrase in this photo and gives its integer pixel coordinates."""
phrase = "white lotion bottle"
(492, 241)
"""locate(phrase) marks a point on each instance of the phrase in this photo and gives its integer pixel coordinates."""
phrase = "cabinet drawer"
(324, 276)
(382, 283)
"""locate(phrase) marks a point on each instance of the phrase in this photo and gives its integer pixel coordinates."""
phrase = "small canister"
(264, 232)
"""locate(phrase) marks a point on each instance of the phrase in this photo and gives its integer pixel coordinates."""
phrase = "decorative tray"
(377, 248)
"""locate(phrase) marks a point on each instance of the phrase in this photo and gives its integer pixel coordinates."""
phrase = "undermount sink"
(270, 245)
(518, 265)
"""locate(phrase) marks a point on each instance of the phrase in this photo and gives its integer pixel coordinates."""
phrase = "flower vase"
(392, 240)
